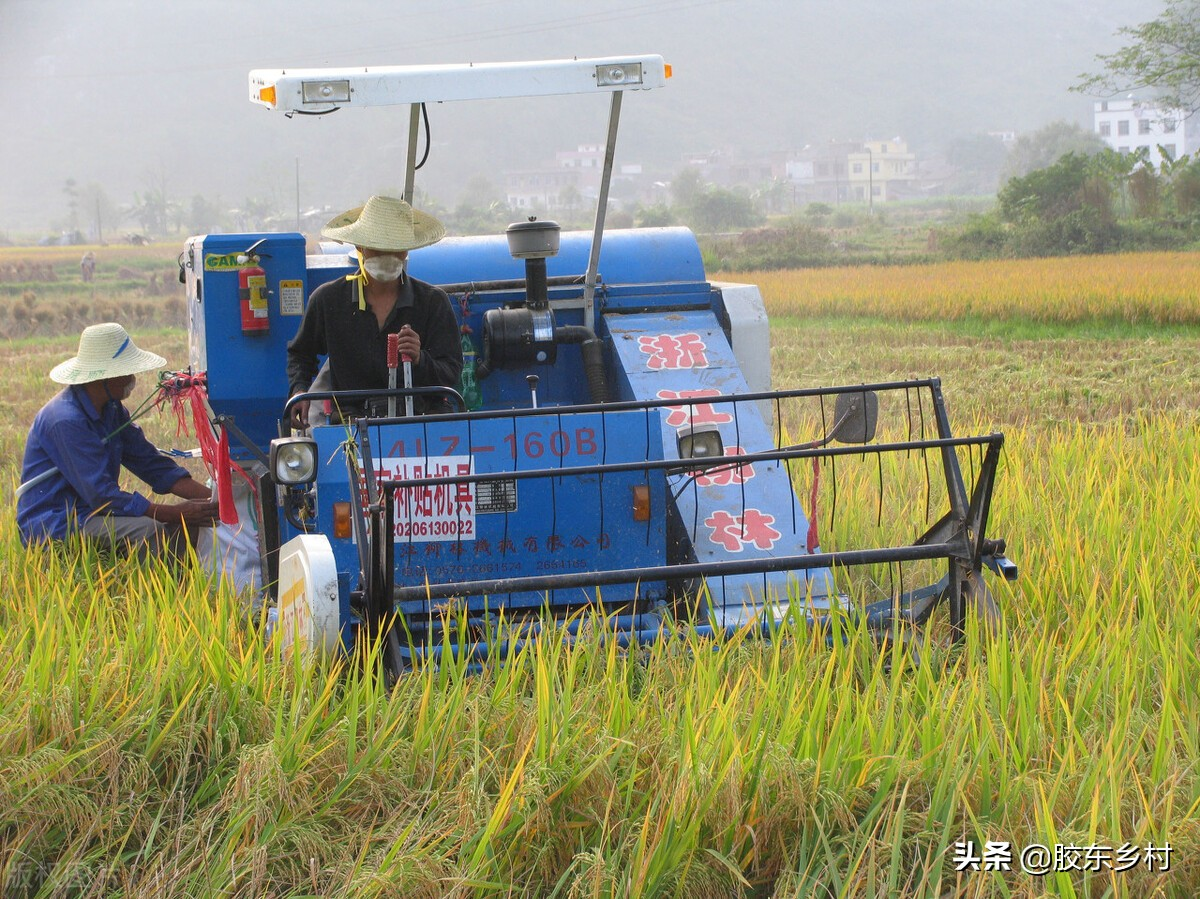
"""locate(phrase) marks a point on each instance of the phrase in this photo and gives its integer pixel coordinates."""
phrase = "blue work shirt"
(69, 434)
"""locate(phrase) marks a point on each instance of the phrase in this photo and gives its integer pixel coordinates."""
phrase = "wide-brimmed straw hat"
(385, 223)
(105, 351)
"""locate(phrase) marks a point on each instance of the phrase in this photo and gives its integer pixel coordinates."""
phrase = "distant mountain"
(134, 94)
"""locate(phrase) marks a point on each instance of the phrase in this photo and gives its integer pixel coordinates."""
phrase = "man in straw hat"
(349, 320)
(79, 442)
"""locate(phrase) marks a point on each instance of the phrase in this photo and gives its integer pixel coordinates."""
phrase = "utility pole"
(870, 179)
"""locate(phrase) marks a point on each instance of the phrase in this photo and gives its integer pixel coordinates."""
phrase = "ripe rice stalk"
(149, 741)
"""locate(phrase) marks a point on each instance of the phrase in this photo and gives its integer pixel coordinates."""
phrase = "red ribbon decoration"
(225, 503)
(813, 541)
(189, 393)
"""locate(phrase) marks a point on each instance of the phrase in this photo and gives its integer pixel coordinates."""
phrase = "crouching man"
(77, 446)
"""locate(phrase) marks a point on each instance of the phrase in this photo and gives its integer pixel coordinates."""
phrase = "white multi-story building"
(1129, 124)
(574, 177)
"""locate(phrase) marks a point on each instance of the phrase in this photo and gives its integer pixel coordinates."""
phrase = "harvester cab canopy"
(322, 91)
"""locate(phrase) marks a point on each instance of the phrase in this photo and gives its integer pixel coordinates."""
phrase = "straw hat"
(105, 351)
(385, 223)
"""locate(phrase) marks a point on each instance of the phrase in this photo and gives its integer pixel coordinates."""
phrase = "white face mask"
(384, 268)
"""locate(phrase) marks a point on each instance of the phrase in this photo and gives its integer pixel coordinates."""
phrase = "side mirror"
(854, 417)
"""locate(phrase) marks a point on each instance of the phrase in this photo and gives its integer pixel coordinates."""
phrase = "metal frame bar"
(712, 570)
(699, 464)
(410, 170)
(448, 393)
(624, 405)
(956, 537)
(950, 538)
(610, 152)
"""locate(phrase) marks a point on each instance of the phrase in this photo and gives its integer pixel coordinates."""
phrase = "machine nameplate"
(495, 496)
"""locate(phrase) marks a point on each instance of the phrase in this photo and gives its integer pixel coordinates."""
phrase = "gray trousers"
(140, 535)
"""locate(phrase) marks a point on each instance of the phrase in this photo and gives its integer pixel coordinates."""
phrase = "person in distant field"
(349, 320)
(87, 266)
(77, 446)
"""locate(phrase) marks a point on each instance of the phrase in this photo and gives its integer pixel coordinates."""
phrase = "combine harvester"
(607, 386)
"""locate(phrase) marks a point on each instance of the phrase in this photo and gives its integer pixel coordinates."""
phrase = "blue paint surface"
(519, 528)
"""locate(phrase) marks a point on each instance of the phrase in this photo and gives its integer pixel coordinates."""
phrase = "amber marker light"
(641, 502)
(341, 519)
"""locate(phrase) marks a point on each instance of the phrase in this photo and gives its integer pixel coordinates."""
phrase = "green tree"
(1145, 190)
(718, 209)
(98, 209)
(256, 214)
(1043, 147)
(1163, 56)
(481, 209)
(1055, 191)
(152, 210)
(818, 213)
(686, 186)
(774, 196)
(657, 216)
(71, 189)
(978, 160)
(422, 200)
(1181, 180)
(204, 215)
(1117, 169)
(1062, 209)
(1186, 190)
(570, 200)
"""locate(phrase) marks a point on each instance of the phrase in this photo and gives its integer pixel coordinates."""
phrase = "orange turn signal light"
(341, 520)
(641, 502)
(266, 94)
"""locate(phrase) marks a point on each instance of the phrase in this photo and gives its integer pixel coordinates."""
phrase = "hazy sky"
(133, 94)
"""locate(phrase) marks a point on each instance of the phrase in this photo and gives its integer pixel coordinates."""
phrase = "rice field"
(1130, 289)
(150, 746)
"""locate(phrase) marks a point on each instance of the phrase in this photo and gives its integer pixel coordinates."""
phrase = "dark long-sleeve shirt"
(69, 434)
(334, 326)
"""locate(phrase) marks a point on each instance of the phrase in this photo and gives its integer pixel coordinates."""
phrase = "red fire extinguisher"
(252, 291)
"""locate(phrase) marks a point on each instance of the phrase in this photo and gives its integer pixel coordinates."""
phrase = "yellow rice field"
(1142, 288)
(151, 747)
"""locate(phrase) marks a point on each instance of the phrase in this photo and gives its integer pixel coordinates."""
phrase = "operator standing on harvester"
(349, 319)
